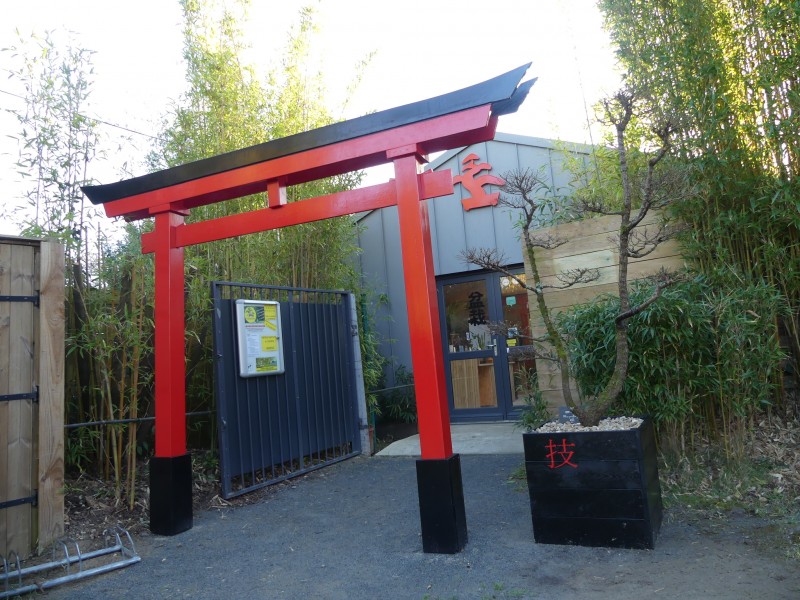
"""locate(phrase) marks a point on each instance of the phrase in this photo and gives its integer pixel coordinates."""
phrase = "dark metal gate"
(274, 427)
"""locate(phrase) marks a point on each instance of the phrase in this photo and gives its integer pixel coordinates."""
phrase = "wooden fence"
(589, 244)
(31, 394)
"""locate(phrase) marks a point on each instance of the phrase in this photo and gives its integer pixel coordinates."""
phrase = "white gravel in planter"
(610, 424)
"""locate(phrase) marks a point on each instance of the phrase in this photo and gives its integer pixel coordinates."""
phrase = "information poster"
(258, 323)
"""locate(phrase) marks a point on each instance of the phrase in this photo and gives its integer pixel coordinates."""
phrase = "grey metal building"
(483, 369)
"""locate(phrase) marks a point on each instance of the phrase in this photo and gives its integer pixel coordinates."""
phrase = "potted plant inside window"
(595, 482)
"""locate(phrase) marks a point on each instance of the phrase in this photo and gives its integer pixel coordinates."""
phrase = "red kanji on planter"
(560, 453)
(474, 185)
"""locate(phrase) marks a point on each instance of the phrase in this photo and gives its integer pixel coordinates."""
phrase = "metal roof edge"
(515, 138)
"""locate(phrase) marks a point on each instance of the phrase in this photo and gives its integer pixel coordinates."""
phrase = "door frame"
(505, 409)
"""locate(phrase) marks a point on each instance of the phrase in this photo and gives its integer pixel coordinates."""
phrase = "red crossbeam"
(431, 184)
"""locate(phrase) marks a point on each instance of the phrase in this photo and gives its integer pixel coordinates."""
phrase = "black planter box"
(594, 488)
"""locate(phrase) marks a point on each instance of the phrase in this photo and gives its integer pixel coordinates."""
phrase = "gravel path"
(351, 531)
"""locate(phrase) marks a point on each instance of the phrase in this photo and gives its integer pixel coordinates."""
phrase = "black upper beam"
(502, 92)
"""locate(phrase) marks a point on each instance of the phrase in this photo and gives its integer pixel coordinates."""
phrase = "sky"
(422, 48)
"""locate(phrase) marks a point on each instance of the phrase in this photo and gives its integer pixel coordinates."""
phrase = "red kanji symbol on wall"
(474, 185)
(562, 453)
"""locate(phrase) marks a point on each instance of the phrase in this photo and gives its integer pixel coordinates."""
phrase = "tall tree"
(228, 107)
(56, 138)
(731, 69)
(637, 184)
(105, 314)
(730, 66)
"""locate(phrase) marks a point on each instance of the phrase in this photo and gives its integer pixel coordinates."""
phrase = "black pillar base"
(170, 494)
(441, 505)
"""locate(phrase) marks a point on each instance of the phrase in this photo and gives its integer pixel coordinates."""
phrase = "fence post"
(51, 394)
(358, 370)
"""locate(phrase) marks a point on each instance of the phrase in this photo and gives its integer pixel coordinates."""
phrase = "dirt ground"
(351, 531)
(90, 506)
(709, 496)
(358, 519)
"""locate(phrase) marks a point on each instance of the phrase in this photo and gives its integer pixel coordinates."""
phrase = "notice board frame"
(250, 331)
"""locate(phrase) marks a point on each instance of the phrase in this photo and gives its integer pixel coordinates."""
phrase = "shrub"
(535, 411)
(398, 403)
(704, 358)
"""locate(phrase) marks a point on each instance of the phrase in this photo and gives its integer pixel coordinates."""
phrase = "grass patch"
(712, 482)
(762, 481)
(518, 479)
(499, 591)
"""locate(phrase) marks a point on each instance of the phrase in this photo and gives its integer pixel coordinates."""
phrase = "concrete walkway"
(498, 437)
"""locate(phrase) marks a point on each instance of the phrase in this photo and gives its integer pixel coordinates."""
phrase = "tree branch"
(546, 241)
(663, 279)
(493, 259)
(595, 207)
(573, 277)
(643, 242)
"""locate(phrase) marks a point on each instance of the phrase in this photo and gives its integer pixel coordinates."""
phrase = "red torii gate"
(403, 136)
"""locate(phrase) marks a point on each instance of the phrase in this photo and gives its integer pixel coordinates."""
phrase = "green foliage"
(730, 69)
(398, 403)
(703, 356)
(205, 466)
(228, 107)
(535, 412)
(56, 139)
(110, 295)
(107, 327)
(116, 341)
(371, 360)
(80, 448)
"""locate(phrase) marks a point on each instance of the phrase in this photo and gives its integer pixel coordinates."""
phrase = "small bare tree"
(527, 192)
(654, 188)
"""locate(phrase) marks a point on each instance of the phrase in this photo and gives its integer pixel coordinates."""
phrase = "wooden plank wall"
(19, 424)
(589, 244)
(31, 433)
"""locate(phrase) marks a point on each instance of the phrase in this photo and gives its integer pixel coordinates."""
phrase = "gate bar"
(32, 500)
(32, 299)
(34, 395)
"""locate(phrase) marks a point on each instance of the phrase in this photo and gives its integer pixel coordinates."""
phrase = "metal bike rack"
(66, 554)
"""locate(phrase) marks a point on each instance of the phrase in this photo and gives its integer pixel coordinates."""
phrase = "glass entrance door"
(470, 346)
(485, 322)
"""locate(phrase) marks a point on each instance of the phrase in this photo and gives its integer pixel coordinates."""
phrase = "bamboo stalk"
(138, 310)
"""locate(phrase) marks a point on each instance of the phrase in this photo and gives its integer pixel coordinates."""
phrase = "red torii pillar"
(441, 494)
(459, 119)
(171, 467)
